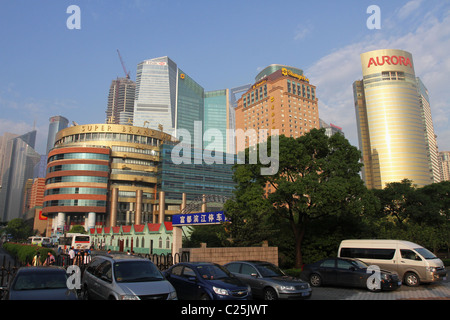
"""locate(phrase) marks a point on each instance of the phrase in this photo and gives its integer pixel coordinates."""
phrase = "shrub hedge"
(25, 253)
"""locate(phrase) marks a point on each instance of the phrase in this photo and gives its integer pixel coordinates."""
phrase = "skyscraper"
(430, 136)
(445, 164)
(56, 123)
(390, 120)
(166, 98)
(18, 161)
(121, 101)
(281, 99)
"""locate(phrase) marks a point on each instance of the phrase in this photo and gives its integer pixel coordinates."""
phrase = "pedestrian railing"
(9, 266)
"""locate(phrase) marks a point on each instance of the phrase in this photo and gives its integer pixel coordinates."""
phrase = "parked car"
(124, 277)
(39, 283)
(206, 281)
(350, 273)
(268, 281)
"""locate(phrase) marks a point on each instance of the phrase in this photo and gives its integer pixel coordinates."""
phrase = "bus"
(78, 241)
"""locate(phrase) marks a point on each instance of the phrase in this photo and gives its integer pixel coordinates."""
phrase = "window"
(104, 271)
(410, 255)
(188, 272)
(327, 264)
(341, 264)
(248, 270)
(234, 267)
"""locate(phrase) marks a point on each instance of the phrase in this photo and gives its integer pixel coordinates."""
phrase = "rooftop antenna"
(127, 74)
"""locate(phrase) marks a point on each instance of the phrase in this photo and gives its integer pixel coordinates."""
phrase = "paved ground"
(434, 291)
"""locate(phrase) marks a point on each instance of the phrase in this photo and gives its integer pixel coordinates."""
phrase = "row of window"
(77, 190)
(79, 166)
(301, 90)
(75, 203)
(256, 95)
(109, 136)
(77, 179)
(135, 150)
(79, 155)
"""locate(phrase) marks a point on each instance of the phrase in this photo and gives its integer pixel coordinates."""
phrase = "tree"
(396, 200)
(318, 176)
(18, 229)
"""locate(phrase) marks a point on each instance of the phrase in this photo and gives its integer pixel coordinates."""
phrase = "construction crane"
(127, 74)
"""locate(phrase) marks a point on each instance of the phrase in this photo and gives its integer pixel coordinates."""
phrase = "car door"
(327, 271)
(104, 278)
(249, 275)
(175, 277)
(191, 286)
(347, 274)
(90, 278)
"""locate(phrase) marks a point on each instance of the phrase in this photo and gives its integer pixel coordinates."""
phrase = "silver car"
(125, 277)
(268, 281)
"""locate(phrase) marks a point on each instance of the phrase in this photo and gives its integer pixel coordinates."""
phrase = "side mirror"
(254, 275)
(193, 279)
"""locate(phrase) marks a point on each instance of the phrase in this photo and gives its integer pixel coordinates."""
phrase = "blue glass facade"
(193, 179)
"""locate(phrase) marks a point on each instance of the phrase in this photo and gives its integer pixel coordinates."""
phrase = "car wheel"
(315, 280)
(270, 294)
(411, 279)
(205, 296)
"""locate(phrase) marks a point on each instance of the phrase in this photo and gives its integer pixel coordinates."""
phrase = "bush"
(25, 253)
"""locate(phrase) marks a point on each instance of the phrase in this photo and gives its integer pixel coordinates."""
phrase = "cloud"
(429, 44)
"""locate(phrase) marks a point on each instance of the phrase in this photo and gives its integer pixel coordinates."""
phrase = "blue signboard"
(190, 219)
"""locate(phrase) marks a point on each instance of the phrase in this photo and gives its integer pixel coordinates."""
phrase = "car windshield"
(136, 271)
(212, 272)
(425, 253)
(40, 281)
(269, 270)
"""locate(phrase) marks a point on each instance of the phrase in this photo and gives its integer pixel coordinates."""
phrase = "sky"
(48, 69)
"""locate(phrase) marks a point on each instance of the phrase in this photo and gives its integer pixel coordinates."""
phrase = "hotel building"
(281, 99)
(390, 120)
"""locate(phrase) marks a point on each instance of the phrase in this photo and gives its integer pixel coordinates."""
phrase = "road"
(433, 291)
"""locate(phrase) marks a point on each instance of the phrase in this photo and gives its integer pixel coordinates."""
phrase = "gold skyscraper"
(390, 122)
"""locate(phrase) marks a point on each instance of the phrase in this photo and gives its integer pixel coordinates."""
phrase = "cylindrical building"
(102, 175)
(390, 122)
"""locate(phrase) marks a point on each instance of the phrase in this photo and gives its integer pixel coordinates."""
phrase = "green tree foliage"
(77, 229)
(318, 176)
(18, 229)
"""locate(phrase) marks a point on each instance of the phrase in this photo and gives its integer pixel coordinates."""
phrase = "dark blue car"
(206, 281)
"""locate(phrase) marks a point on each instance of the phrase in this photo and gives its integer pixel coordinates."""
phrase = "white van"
(413, 263)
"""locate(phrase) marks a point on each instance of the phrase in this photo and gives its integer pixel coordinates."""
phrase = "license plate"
(305, 293)
(399, 283)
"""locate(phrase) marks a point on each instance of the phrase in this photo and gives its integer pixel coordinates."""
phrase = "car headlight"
(129, 297)
(220, 291)
(287, 288)
(172, 296)
(431, 269)
(385, 276)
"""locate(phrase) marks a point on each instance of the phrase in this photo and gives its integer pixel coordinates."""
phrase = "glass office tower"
(155, 98)
(390, 121)
(57, 123)
(166, 98)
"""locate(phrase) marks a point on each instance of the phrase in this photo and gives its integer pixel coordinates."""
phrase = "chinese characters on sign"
(198, 218)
